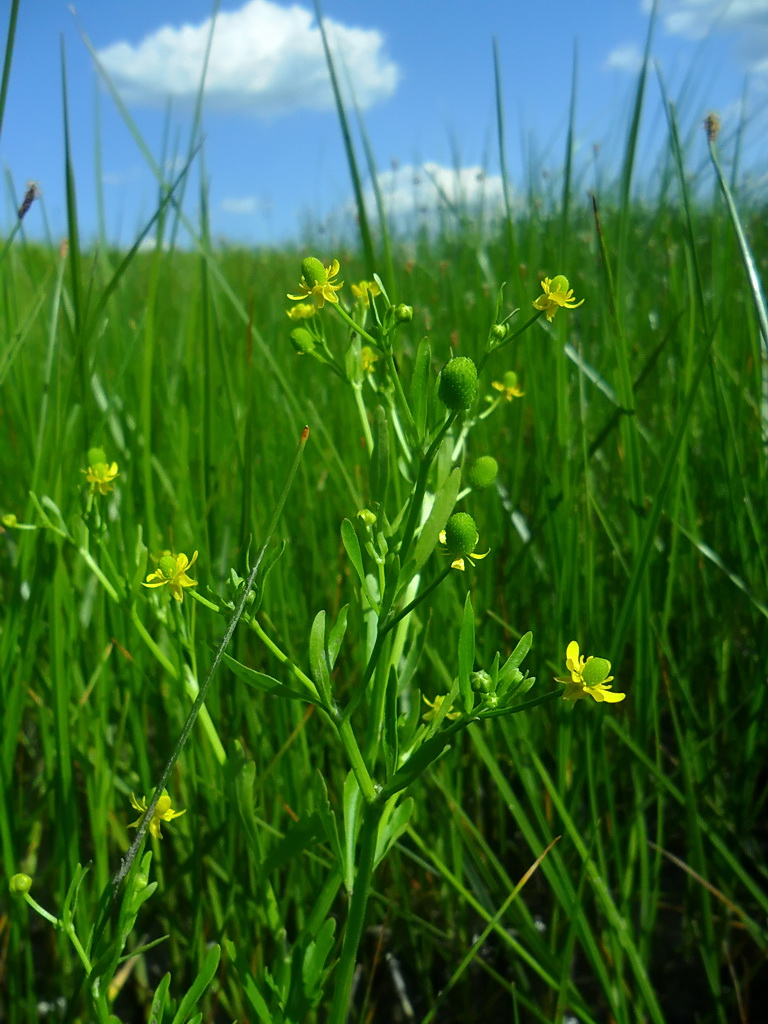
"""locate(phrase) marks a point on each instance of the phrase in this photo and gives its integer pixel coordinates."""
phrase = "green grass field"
(533, 858)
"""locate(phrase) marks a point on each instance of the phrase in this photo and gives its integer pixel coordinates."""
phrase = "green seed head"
(167, 566)
(458, 384)
(303, 341)
(483, 472)
(559, 284)
(596, 670)
(20, 884)
(313, 271)
(403, 313)
(96, 457)
(461, 534)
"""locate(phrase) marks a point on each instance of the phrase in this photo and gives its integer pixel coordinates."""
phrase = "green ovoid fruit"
(96, 457)
(313, 271)
(303, 341)
(461, 534)
(482, 472)
(458, 384)
(596, 670)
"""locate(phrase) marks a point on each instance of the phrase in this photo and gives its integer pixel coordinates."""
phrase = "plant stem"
(353, 931)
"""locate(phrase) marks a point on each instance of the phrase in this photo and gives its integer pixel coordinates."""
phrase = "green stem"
(355, 325)
(356, 760)
(345, 972)
(363, 417)
(417, 497)
(410, 424)
(521, 330)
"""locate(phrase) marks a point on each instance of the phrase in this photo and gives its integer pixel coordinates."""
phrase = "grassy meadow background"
(629, 513)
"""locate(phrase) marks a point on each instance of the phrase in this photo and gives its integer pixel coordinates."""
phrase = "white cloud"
(265, 58)
(241, 205)
(430, 187)
(425, 196)
(625, 58)
(747, 20)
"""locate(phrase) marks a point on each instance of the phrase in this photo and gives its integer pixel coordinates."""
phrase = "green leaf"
(328, 819)
(159, 1001)
(467, 654)
(352, 547)
(420, 387)
(445, 499)
(336, 635)
(268, 684)
(353, 800)
(418, 763)
(199, 985)
(389, 736)
(318, 658)
(393, 823)
(379, 470)
(313, 967)
(516, 657)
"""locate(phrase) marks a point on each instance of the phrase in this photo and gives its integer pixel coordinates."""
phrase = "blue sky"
(421, 70)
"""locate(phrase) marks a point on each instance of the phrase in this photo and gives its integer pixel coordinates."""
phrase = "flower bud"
(20, 884)
(483, 472)
(313, 271)
(481, 681)
(596, 671)
(303, 341)
(461, 534)
(403, 314)
(367, 516)
(458, 384)
(10, 520)
(498, 333)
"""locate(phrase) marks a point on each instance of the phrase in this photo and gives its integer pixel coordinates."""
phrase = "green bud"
(481, 681)
(461, 534)
(313, 271)
(458, 384)
(499, 333)
(10, 520)
(403, 313)
(303, 341)
(483, 472)
(596, 670)
(20, 884)
(96, 456)
(367, 516)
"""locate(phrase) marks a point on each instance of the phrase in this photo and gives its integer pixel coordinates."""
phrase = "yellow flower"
(508, 386)
(434, 709)
(302, 311)
(588, 675)
(364, 290)
(162, 812)
(367, 358)
(556, 294)
(172, 569)
(101, 476)
(317, 281)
